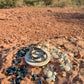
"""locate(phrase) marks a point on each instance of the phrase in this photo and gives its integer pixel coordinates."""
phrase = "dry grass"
(41, 3)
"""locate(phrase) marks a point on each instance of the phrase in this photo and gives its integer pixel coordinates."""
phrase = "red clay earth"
(20, 27)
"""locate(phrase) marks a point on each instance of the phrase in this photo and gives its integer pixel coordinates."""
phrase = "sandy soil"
(20, 27)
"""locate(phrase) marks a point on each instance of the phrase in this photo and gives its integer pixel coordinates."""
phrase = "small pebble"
(64, 54)
(67, 61)
(65, 57)
(55, 55)
(51, 67)
(58, 51)
(59, 47)
(38, 46)
(67, 68)
(49, 73)
(42, 78)
(45, 71)
(64, 74)
(47, 45)
(70, 65)
(62, 67)
(53, 78)
(48, 80)
(32, 73)
(60, 60)
(71, 54)
(55, 73)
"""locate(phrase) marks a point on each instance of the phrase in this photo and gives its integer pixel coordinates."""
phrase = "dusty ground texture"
(20, 27)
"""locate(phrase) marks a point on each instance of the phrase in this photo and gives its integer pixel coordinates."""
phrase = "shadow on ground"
(75, 18)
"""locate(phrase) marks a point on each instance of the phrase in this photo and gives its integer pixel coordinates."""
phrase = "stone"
(82, 72)
(70, 65)
(58, 51)
(82, 52)
(62, 66)
(38, 46)
(61, 41)
(64, 54)
(53, 78)
(70, 47)
(55, 55)
(49, 74)
(32, 73)
(51, 67)
(61, 60)
(67, 61)
(72, 39)
(64, 74)
(3, 17)
(45, 71)
(48, 80)
(55, 73)
(58, 60)
(80, 43)
(47, 45)
(41, 78)
(67, 68)
(71, 54)
(65, 57)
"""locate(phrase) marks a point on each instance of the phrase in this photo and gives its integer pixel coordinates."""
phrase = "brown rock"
(70, 47)
(81, 44)
(82, 53)
(3, 17)
(61, 41)
(82, 72)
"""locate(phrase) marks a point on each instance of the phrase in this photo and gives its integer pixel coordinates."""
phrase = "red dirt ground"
(22, 26)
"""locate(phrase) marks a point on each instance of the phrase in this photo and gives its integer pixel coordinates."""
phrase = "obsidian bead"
(16, 61)
(24, 75)
(20, 77)
(12, 81)
(18, 81)
(45, 78)
(40, 82)
(34, 78)
(9, 70)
